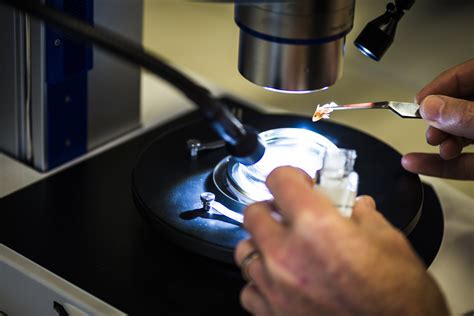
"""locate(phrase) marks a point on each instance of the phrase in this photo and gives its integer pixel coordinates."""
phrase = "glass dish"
(295, 147)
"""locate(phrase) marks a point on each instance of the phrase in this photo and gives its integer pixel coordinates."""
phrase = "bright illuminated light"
(366, 52)
(294, 91)
(295, 147)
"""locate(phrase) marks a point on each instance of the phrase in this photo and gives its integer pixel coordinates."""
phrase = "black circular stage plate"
(167, 183)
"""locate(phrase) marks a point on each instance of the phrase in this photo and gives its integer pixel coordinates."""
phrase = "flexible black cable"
(242, 143)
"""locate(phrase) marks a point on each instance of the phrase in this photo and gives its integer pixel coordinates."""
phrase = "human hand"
(313, 261)
(446, 103)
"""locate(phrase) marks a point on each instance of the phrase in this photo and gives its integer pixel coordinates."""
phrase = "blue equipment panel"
(67, 64)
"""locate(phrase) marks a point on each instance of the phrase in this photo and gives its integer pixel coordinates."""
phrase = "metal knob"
(207, 199)
(195, 146)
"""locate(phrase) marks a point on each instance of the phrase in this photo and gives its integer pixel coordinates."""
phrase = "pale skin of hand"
(447, 105)
(315, 262)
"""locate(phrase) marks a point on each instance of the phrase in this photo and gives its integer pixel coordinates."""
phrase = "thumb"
(451, 115)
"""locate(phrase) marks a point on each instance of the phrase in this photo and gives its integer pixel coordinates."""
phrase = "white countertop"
(453, 267)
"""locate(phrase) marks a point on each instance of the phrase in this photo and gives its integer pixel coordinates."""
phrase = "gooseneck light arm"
(243, 144)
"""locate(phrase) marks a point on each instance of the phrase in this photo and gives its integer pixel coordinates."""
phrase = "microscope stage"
(167, 184)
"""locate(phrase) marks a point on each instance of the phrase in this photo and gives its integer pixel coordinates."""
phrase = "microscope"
(191, 178)
(298, 46)
(285, 46)
(57, 107)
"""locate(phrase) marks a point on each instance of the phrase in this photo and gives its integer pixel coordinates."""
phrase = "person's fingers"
(265, 230)
(255, 269)
(451, 115)
(435, 136)
(242, 250)
(461, 168)
(253, 301)
(365, 211)
(294, 195)
(456, 81)
(451, 148)
(367, 201)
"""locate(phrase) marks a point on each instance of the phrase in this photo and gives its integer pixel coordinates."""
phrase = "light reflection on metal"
(220, 208)
(294, 91)
(295, 147)
(366, 52)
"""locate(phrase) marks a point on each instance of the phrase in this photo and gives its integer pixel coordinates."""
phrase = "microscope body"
(62, 98)
(67, 98)
(295, 46)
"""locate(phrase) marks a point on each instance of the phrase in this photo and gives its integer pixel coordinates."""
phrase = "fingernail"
(430, 108)
(405, 160)
(367, 201)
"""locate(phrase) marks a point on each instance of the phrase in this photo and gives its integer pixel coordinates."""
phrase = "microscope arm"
(242, 143)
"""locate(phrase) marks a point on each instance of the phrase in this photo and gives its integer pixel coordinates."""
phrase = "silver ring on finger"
(245, 266)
